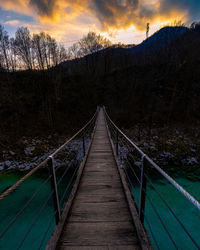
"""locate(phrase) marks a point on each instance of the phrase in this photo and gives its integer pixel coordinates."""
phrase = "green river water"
(9, 207)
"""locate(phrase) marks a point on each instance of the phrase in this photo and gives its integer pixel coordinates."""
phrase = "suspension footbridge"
(87, 198)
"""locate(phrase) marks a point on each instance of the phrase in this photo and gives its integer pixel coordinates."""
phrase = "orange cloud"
(63, 17)
(111, 14)
(20, 6)
(117, 14)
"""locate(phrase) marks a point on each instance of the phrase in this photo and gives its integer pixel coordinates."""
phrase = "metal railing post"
(143, 183)
(54, 189)
(117, 142)
(83, 144)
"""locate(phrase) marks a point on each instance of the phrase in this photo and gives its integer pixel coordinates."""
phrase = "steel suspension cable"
(47, 230)
(25, 206)
(68, 185)
(35, 219)
(171, 210)
(14, 187)
(149, 226)
(189, 197)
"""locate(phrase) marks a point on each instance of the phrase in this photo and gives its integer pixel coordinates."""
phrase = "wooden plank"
(145, 242)
(108, 147)
(95, 176)
(109, 211)
(100, 170)
(108, 165)
(121, 247)
(100, 160)
(98, 198)
(100, 144)
(104, 154)
(100, 150)
(99, 185)
(99, 190)
(100, 181)
(99, 218)
(99, 233)
(83, 248)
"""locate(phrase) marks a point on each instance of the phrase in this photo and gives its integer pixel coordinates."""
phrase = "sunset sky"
(119, 20)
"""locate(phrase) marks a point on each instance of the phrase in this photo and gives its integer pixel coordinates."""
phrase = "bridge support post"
(83, 144)
(117, 142)
(143, 183)
(54, 189)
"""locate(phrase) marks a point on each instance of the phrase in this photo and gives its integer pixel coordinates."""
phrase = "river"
(9, 207)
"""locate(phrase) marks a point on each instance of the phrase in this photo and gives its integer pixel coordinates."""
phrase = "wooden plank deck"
(99, 217)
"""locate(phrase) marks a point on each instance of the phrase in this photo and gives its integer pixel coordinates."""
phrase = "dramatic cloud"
(192, 7)
(44, 7)
(117, 14)
(109, 16)
(110, 13)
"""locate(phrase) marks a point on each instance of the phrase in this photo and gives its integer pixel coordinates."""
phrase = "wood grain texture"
(99, 217)
(120, 247)
(99, 233)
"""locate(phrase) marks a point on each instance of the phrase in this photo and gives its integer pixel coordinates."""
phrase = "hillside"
(112, 59)
(158, 89)
(160, 39)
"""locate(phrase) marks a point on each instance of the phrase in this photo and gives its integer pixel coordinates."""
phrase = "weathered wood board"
(99, 217)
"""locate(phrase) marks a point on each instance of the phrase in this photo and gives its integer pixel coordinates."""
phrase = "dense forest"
(155, 88)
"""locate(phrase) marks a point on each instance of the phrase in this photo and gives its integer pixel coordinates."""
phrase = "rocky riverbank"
(172, 149)
(30, 152)
(169, 146)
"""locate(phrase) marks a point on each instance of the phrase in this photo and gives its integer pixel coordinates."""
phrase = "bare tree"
(93, 43)
(62, 53)
(12, 54)
(23, 46)
(39, 51)
(53, 51)
(4, 46)
(74, 51)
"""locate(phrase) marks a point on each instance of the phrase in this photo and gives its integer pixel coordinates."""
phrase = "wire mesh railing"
(31, 208)
(159, 198)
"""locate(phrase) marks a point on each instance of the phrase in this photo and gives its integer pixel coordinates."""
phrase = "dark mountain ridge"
(160, 39)
(112, 59)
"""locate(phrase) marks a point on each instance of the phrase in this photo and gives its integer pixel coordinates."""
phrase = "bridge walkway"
(99, 217)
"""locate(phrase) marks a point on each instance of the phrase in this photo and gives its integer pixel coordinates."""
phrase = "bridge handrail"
(18, 183)
(119, 139)
(188, 196)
